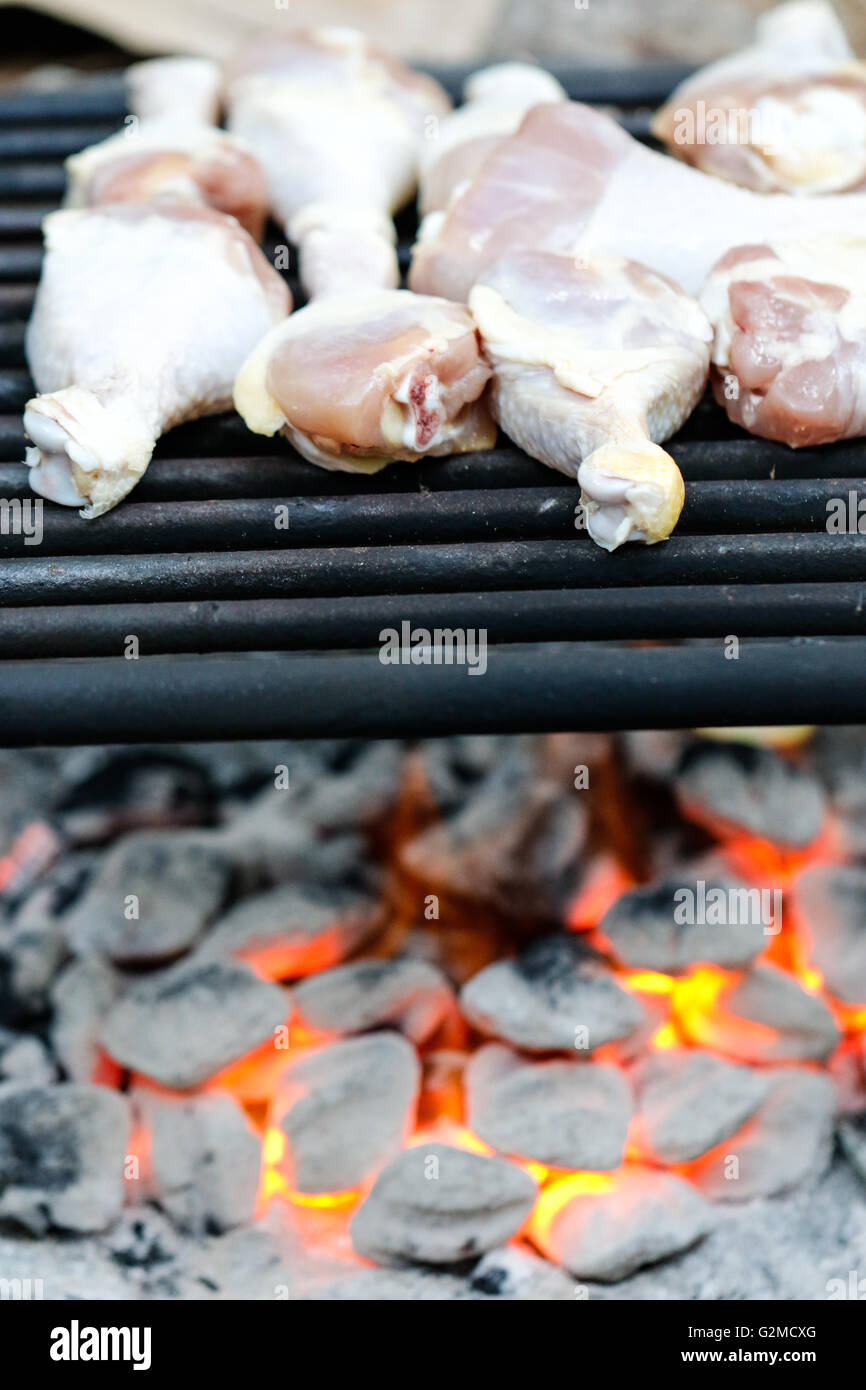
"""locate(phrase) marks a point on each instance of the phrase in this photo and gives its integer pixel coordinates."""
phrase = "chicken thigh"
(789, 352)
(594, 359)
(357, 383)
(495, 100)
(142, 318)
(338, 127)
(788, 115)
(571, 180)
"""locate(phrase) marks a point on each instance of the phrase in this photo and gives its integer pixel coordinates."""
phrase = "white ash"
(571, 1115)
(82, 997)
(852, 1138)
(788, 1141)
(644, 1216)
(510, 1274)
(557, 996)
(800, 1246)
(112, 791)
(514, 844)
(516, 1273)
(450, 769)
(28, 782)
(688, 1101)
(183, 1025)
(270, 840)
(796, 1247)
(62, 1150)
(846, 1067)
(345, 1108)
(296, 929)
(33, 943)
(151, 898)
(645, 930)
(740, 787)
(360, 790)
(654, 753)
(25, 1059)
(829, 902)
(203, 1159)
(408, 994)
(435, 1204)
(792, 1024)
(839, 754)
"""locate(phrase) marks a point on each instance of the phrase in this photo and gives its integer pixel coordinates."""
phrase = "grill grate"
(246, 630)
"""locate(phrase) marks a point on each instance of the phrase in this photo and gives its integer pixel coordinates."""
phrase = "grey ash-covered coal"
(474, 1018)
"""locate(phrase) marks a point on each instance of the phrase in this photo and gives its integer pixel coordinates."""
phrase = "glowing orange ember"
(764, 863)
(698, 1008)
(560, 1192)
(605, 882)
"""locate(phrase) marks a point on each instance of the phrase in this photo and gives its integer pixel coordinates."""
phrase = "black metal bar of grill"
(396, 569)
(524, 689)
(324, 624)
(184, 474)
(420, 518)
(54, 143)
(194, 564)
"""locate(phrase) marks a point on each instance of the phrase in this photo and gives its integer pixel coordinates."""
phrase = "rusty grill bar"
(246, 630)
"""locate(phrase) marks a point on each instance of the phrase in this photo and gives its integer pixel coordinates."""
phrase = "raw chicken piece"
(789, 355)
(171, 160)
(181, 88)
(571, 179)
(142, 317)
(357, 383)
(495, 100)
(338, 128)
(594, 358)
(788, 115)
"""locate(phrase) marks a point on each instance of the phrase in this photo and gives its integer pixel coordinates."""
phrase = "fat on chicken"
(595, 360)
(338, 127)
(787, 115)
(571, 179)
(495, 100)
(789, 346)
(185, 89)
(357, 383)
(142, 318)
(166, 159)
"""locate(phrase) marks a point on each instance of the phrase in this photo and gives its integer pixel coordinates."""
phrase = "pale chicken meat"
(789, 348)
(787, 115)
(595, 360)
(186, 89)
(171, 160)
(142, 318)
(570, 179)
(357, 383)
(338, 127)
(495, 100)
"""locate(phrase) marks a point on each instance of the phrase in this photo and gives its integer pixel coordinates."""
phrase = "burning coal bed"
(479, 1018)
